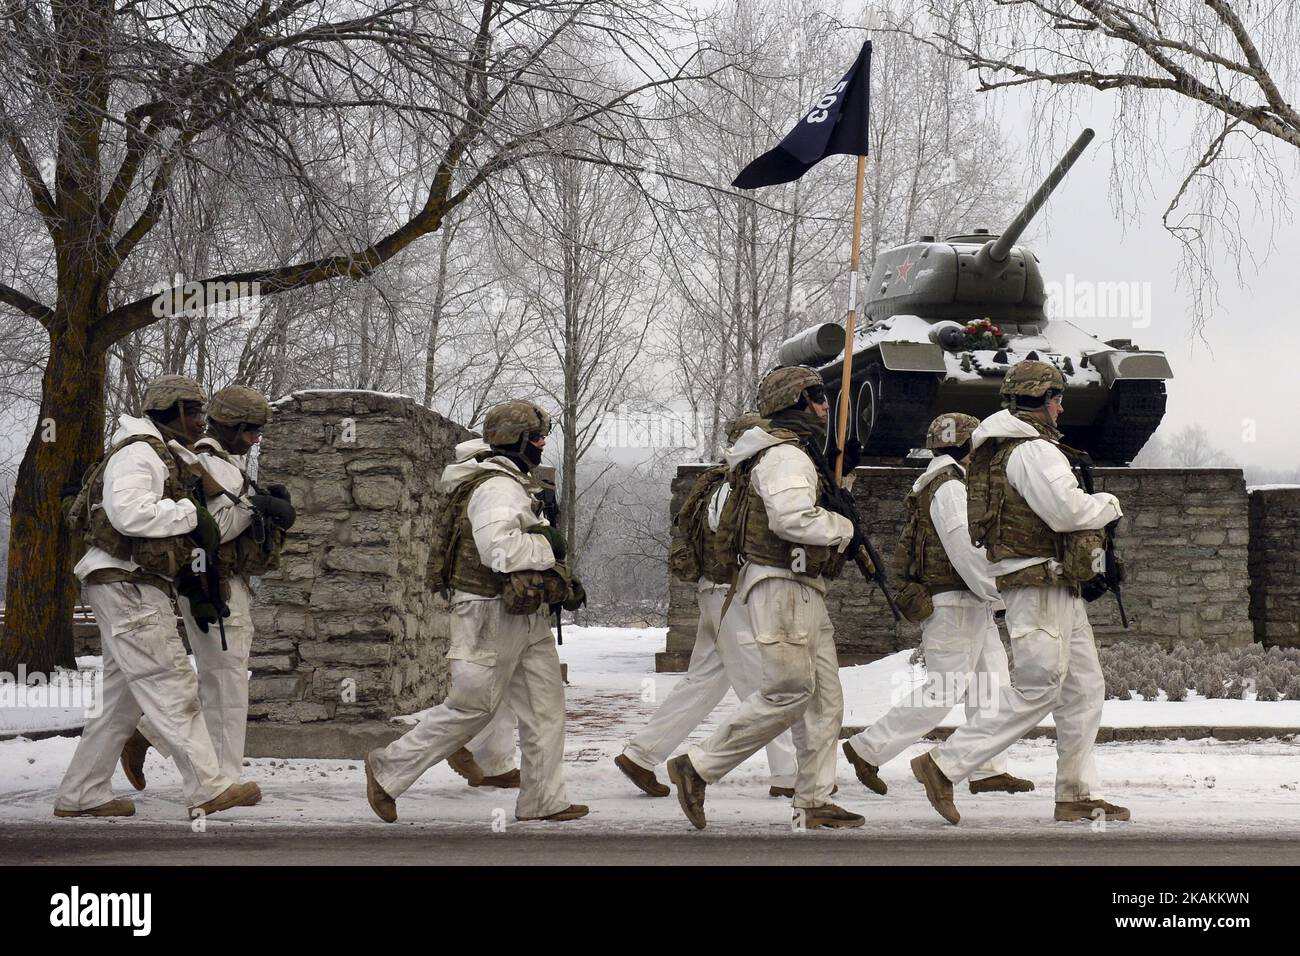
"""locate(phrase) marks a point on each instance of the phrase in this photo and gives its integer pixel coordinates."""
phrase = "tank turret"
(942, 323)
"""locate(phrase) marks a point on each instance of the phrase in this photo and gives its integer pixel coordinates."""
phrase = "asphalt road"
(139, 843)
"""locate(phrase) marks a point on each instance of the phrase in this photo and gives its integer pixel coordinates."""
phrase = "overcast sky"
(1247, 366)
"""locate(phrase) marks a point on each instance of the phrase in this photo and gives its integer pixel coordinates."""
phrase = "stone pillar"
(349, 634)
(1183, 538)
(1275, 565)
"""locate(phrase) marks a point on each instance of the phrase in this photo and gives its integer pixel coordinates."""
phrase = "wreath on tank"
(983, 334)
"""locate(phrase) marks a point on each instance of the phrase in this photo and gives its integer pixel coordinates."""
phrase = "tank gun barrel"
(998, 249)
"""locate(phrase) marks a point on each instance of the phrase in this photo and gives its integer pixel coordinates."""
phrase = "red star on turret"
(904, 268)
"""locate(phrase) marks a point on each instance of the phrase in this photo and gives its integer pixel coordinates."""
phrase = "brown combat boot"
(462, 763)
(690, 789)
(938, 788)
(506, 781)
(1069, 811)
(117, 807)
(830, 816)
(788, 792)
(1001, 783)
(235, 795)
(644, 779)
(572, 812)
(133, 754)
(868, 773)
(385, 807)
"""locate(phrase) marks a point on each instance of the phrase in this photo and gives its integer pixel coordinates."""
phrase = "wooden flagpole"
(846, 380)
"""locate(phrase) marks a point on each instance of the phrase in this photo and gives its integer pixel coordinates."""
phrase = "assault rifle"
(869, 563)
(551, 512)
(1112, 576)
(840, 501)
(207, 487)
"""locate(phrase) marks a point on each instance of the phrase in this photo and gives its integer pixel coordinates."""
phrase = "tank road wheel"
(1132, 412)
(892, 409)
(865, 405)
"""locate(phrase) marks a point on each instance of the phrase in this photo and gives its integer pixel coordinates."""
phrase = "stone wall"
(348, 634)
(1275, 565)
(1183, 538)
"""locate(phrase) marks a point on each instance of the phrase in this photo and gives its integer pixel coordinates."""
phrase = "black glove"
(279, 491)
(550, 507)
(204, 612)
(852, 454)
(206, 533)
(576, 598)
(555, 537)
(275, 508)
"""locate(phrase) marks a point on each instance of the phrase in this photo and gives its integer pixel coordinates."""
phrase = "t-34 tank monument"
(942, 323)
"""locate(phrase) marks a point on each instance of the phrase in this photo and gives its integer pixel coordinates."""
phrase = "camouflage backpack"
(687, 561)
(445, 536)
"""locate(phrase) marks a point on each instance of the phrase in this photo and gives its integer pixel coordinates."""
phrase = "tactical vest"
(1003, 522)
(754, 537)
(245, 555)
(468, 572)
(920, 555)
(161, 557)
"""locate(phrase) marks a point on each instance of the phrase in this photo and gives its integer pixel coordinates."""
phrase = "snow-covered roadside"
(868, 689)
(1170, 785)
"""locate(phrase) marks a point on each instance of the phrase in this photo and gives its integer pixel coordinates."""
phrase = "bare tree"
(108, 112)
(581, 246)
(1222, 64)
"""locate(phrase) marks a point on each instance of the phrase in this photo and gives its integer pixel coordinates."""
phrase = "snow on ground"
(868, 690)
(1171, 786)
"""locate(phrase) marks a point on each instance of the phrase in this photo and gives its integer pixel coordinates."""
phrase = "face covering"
(804, 423)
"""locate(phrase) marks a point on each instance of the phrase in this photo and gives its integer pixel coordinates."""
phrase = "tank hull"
(1114, 398)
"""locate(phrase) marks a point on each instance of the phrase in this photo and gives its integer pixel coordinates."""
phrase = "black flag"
(836, 124)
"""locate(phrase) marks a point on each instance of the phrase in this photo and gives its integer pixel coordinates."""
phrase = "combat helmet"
(782, 387)
(166, 390)
(509, 422)
(238, 405)
(1031, 379)
(951, 430)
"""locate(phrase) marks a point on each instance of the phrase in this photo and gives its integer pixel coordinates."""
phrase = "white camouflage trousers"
(799, 690)
(1054, 661)
(493, 747)
(146, 673)
(964, 661)
(223, 680)
(495, 657)
(725, 656)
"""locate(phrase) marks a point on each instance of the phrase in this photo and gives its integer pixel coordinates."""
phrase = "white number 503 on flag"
(820, 111)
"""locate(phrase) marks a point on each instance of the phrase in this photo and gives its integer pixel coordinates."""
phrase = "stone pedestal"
(349, 634)
(1275, 565)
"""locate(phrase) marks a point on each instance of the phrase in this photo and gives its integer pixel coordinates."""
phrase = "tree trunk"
(41, 589)
(435, 318)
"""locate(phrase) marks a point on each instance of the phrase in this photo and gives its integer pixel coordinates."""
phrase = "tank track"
(904, 411)
(1129, 418)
